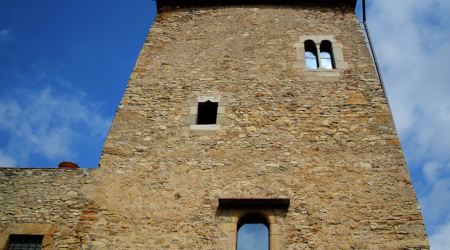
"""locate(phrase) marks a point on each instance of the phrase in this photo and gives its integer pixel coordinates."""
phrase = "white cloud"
(435, 206)
(412, 45)
(431, 170)
(5, 35)
(45, 123)
(6, 160)
(441, 240)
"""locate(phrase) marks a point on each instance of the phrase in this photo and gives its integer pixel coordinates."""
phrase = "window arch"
(243, 211)
(326, 55)
(253, 232)
(311, 57)
(320, 56)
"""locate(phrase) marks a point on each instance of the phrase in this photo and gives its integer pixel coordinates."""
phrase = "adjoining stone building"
(236, 111)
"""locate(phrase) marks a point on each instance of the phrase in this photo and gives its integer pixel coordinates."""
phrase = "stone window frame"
(191, 118)
(47, 230)
(320, 74)
(230, 229)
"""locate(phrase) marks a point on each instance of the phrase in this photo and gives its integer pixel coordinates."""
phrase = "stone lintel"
(254, 202)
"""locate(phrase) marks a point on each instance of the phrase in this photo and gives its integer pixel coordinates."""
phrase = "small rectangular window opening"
(207, 113)
(25, 242)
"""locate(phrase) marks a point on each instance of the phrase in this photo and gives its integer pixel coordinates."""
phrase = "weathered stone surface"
(30, 203)
(330, 146)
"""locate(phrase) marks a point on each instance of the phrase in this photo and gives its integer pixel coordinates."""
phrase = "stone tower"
(227, 114)
(237, 112)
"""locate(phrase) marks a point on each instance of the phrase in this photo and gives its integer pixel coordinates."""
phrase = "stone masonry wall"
(329, 146)
(30, 199)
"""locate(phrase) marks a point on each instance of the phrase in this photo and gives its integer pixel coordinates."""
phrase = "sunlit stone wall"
(324, 139)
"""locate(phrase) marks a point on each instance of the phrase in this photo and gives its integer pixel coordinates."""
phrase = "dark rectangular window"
(207, 113)
(25, 242)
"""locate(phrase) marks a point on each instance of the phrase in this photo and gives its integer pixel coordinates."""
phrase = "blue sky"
(64, 66)
(253, 237)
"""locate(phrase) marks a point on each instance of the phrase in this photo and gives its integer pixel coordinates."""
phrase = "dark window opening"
(25, 242)
(253, 233)
(326, 55)
(207, 113)
(311, 55)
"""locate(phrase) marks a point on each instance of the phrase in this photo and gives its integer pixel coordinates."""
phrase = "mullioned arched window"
(311, 57)
(319, 59)
(326, 55)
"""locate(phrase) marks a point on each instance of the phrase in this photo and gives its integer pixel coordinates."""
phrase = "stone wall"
(329, 146)
(323, 139)
(44, 202)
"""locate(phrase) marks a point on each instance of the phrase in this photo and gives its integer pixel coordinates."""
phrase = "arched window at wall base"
(238, 209)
